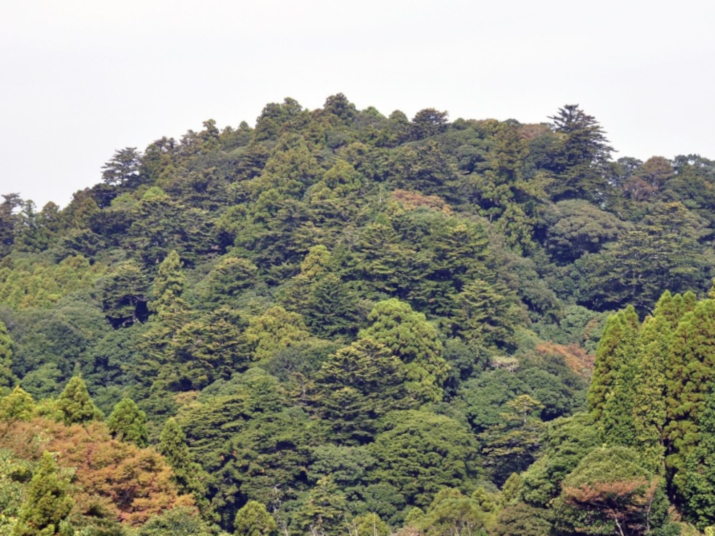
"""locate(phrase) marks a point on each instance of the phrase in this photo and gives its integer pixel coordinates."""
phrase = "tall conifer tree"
(75, 405)
(690, 370)
(7, 378)
(47, 504)
(128, 423)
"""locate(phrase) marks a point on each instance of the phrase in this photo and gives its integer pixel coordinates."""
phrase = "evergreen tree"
(274, 330)
(380, 260)
(75, 405)
(357, 385)
(7, 378)
(696, 482)
(370, 524)
(47, 504)
(511, 446)
(188, 475)
(617, 417)
(128, 423)
(616, 348)
(229, 278)
(484, 315)
(415, 341)
(689, 371)
(18, 405)
(207, 349)
(324, 512)
(614, 494)
(583, 153)
(649, 406)
(331, 309)
(254, 520)
(169, 284)
(124, 295)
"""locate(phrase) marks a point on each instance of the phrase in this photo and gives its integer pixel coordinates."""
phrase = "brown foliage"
(575, 357)
(533, 131)
(414, 200)
(625, 502)
(128, 483)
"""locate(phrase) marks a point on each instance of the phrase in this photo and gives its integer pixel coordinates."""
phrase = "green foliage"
(41, 285)
(649, 397)
(697, 480)
(576, 227)
(613, 492)
(254, 520)
(7, 378)
(325, 509)
(292, 293)
(511, 446)
(452, 512)
(357, 385)
(124, 294)
(14, 476)
(524, 520)
(205, 350)
(414, 341)
(187, 473)
(230, 277)
(75, 406)
(688, 375)
(16, 405)
(565, 442)
(612, 385)
(661, 253)
(484, 315)
(128, 423)
(274, 330)
(370, 525)
(47, 504)
(177, 521)
(583, 151)
(420, 453)
(169, 284)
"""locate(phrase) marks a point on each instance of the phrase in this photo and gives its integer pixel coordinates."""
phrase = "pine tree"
(357, 385)
(124, 295)
(331, 309)
(380, 259)
(7, 378)
(584, 152)
(47, 504)
(229, 278)
(254, 520)
(75, 405)
(484, 315)
(206, 350)
(128, 423)
(172, 314)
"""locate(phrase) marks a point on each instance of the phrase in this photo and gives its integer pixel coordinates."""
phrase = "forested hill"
(337, 322)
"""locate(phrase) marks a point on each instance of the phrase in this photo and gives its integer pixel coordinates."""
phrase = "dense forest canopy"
(338, 322)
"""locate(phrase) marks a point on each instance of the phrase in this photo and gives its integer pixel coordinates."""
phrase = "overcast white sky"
(82, 78)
